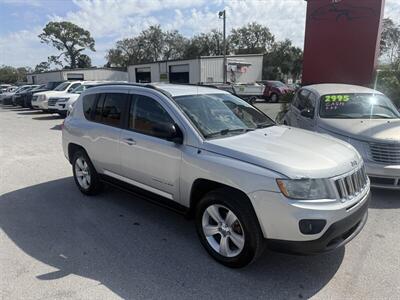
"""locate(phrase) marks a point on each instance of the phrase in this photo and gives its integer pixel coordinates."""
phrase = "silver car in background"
(363, 117)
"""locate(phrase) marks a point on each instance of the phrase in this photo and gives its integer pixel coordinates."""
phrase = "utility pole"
(222, 14)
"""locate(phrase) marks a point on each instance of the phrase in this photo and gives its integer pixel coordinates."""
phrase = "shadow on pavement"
(32, 112)
(385, 199)
(49, 117)
(56, 127)
(139, 250)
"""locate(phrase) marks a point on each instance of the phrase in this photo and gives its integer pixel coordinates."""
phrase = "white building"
(245, 68)
(78, 74)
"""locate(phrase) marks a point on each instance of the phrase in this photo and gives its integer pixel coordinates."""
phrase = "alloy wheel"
(82, 173)
(223, 230)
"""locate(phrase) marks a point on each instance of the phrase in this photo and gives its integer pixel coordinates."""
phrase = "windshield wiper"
(377, 116)
(265, 125)
(227, 130)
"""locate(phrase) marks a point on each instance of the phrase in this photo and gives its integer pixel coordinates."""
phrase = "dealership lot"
(57, 243)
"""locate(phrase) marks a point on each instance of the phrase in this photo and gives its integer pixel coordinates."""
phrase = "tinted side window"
(311, 101)
(109, 109)
(112, 109)
(146, 115)
(99, 108)
(74, 86)
(302, 99)
(88, 105)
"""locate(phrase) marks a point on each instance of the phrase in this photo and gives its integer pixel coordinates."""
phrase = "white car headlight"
(306, 189)
(41, 97)
(62, 99)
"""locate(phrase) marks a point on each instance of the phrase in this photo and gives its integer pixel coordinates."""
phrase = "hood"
(39, 91)
(50, 93)
(293, 152)
(66, 95)
(370, 130)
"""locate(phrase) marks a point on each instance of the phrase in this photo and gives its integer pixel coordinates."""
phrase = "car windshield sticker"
(333, 102)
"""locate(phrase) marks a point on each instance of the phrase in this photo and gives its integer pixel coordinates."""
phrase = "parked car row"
(54, 97)
(268, 90)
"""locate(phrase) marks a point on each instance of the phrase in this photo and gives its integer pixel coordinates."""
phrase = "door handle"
(130, 141)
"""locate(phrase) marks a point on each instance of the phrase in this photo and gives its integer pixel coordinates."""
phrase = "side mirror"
(307, 113)
(170, 132)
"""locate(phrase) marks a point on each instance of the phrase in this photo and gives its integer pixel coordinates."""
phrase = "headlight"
(41, 97)
(306, 189)
(62, 99)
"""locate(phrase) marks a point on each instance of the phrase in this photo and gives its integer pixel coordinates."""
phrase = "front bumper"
(280, 217)
(383, 176)
(40, 104)
(337, 235)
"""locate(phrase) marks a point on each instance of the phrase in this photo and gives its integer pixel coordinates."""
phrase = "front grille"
(52, 101)
(385, 153)
(350, 186)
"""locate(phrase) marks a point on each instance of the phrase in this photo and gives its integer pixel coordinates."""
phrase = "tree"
(175, 45)
(44, 66)
(252, 38)
(8, 74)
(84, 61)
(68, 38)
(153, 39)
(390, 40)
(127, 52)
(206, 44)
(282, 59)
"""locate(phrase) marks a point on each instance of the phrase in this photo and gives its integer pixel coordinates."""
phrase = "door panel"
(151, 161)
(107, 119)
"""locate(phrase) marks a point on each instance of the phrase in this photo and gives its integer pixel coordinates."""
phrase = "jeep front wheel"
(228, 228)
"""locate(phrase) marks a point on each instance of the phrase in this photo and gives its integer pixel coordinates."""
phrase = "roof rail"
(143, 85)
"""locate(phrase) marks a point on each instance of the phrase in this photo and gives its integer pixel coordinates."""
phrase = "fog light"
(311, 226)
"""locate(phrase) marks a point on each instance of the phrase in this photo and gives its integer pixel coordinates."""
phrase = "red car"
(274, 90)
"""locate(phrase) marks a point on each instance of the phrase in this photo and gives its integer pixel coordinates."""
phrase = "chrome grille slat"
(352, 185)
(385, 153)
(52, 101)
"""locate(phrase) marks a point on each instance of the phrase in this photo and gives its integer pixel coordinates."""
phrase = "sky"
(21, 21)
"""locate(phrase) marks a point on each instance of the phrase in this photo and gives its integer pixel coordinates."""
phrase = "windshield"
(81, 88)
(23, 88)
(222, 114)
(357, 106)
(62, 86)
(53, 84)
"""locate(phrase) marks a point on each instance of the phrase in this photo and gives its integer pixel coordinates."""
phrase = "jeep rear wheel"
(228, 228)
(85, 175)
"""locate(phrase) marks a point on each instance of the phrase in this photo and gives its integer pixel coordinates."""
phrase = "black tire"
(95, 185)
(254, 243)
(253, 100)
(276, 96)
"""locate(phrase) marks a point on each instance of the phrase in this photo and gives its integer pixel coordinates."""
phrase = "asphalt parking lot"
(56, 243)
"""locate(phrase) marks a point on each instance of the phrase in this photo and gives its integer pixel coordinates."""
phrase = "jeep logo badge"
(354, 163)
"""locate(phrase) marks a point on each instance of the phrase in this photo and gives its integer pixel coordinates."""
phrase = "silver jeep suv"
(247, 182)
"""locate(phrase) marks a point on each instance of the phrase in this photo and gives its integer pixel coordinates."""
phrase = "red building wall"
(342, 41)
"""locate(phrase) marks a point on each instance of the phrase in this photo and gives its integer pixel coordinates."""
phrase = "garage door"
(75, 76)
(143, 75)
(179, 74)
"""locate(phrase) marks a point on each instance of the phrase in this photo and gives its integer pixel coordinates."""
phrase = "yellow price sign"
(337, 98)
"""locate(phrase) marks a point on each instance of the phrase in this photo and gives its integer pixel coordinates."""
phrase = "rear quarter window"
(88, 105)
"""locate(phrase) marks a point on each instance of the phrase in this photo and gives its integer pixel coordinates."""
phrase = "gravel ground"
(56, 243)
